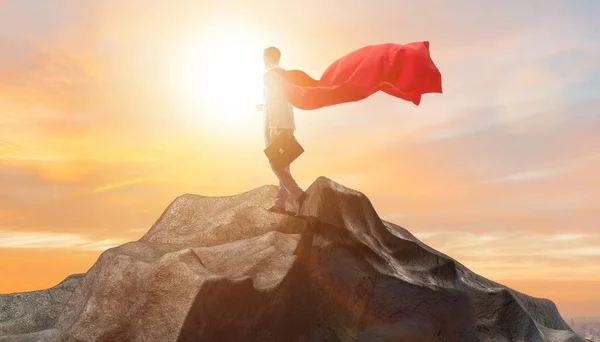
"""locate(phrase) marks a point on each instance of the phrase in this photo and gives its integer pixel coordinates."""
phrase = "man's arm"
(269, 91)
(273, 91)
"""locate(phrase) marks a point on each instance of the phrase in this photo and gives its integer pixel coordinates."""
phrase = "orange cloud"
(118, 184)
(49, 240)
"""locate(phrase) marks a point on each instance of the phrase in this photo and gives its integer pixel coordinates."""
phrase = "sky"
(110, 109)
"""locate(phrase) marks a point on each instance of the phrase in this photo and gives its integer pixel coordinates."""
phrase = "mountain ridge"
(223, 268)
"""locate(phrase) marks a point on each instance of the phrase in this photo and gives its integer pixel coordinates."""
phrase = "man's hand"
(259, 107)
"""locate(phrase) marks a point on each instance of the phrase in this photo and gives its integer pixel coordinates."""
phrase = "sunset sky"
(110, 109)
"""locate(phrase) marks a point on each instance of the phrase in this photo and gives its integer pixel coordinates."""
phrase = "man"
(279, 117)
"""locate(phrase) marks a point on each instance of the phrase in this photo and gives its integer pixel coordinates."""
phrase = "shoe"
(301, 204)
(277, 209)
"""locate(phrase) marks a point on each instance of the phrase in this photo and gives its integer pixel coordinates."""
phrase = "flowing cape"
(404, 71)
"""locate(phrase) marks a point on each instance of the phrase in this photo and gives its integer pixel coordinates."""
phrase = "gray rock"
(38, 336)
(26, 312)
(225, 269)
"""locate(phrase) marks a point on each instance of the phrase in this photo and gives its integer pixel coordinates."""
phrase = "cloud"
(394, 216)
(31, 201)
(567, 237)
(7, 147)
(51, 77)
(119, 184)
(52, 240)
(513, 254)
(532, 175)
(137, 211)
(22, 188)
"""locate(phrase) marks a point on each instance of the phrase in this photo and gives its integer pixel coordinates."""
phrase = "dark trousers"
(288, 188)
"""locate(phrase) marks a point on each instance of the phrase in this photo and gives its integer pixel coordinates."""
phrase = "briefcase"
(283, 149)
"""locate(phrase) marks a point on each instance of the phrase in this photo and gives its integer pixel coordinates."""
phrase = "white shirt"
(278, 111)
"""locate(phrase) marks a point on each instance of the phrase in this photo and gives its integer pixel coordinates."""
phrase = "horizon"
(106, 116)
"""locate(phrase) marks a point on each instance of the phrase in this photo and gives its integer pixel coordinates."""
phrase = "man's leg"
(288, 188)
(287, 182)
(281, 197)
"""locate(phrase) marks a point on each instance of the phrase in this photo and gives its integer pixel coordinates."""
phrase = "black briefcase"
(283, 149)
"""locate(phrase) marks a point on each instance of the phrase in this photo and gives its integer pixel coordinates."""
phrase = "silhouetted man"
(279, 117)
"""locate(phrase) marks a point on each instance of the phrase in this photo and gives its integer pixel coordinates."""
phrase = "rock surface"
(36, 311)
(225, 269)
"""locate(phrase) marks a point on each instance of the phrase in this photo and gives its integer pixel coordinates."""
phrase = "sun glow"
(219, 74)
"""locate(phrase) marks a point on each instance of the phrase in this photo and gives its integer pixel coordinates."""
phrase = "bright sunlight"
(219, 73)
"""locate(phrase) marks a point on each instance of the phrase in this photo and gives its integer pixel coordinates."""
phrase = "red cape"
(404, 71)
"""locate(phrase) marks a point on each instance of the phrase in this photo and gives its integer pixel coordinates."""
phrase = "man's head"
(271, 56)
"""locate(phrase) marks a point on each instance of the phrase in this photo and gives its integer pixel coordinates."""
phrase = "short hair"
(272, 54)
